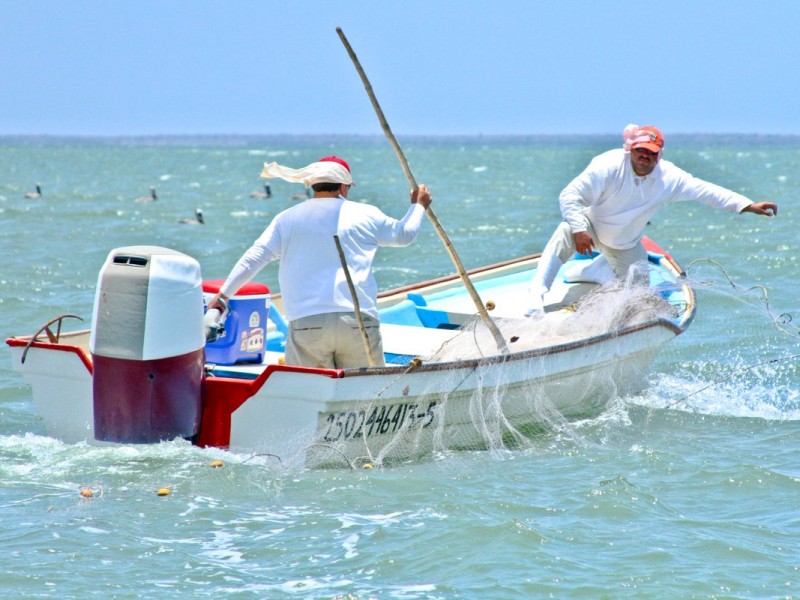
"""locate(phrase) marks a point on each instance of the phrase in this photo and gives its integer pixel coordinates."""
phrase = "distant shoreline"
(245, 140)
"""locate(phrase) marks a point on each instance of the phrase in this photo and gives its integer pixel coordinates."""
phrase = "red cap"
(336, 159)
(648, 137)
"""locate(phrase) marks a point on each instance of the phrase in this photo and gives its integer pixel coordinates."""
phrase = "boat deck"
(418, 323)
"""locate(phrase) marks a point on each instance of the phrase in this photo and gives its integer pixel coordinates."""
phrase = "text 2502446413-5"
(355, 424)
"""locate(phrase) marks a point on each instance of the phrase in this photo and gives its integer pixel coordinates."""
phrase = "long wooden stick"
(490, 324)
(356, 306)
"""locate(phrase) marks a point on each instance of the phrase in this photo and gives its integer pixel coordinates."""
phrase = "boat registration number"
(355, 424)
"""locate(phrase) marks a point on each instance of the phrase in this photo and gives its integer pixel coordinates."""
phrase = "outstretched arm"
(769, 209)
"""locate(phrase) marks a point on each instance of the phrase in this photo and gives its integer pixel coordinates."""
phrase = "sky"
(461, 67)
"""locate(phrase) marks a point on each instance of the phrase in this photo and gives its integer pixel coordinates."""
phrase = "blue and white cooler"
(245, 328)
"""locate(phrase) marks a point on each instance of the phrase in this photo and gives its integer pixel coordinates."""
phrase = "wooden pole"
(490, 324)
(356, 307)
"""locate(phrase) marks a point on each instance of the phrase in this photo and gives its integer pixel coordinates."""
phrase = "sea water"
(691, 489)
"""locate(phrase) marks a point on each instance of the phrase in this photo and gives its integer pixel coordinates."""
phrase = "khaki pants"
(562, 247)
(333, 341)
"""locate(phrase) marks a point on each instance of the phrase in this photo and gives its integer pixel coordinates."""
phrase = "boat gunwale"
(258, 381)
(22, 341)
(455, 277)
(521, 355)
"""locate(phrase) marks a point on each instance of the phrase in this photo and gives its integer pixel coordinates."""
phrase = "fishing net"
(608, 308)
(496, 403)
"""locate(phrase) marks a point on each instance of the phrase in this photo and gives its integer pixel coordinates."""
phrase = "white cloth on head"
(317, 172)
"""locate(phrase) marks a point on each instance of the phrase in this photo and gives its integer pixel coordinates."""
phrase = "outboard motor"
(147, 346)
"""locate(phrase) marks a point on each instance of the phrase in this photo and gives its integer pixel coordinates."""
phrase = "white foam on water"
(727, 396)
(743, 364)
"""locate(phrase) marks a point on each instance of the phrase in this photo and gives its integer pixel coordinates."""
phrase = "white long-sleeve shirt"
(311, 278)
(619, 203)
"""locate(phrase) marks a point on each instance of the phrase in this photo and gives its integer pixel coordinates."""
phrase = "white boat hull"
(447, 385)
(485, 404)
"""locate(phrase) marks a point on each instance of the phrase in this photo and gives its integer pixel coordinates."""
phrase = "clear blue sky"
(106, 67)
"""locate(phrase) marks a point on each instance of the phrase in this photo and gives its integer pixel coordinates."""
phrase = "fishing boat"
(146, 370)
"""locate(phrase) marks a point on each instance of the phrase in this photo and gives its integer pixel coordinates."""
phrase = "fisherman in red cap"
(323, 328)
(607, 207)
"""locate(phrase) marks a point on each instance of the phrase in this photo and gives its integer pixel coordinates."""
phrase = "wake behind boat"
(144, 372)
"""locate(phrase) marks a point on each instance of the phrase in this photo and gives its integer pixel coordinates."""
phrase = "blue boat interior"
(421, 311)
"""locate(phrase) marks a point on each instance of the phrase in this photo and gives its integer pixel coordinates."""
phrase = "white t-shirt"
(619, 203)
(311, 278)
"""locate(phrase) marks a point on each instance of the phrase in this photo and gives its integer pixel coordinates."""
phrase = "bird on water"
(151, 198)
(34, 195)
(198, 218)
(267, 193)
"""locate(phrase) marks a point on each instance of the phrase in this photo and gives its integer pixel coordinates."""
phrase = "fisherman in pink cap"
(323, 328)
(607, 207)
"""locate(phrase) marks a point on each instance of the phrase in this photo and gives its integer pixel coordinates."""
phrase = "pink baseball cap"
(648, 137)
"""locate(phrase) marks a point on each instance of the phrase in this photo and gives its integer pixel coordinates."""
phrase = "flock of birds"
(198, 213)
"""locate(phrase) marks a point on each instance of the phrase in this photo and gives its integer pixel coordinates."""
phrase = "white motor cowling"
(147, 346)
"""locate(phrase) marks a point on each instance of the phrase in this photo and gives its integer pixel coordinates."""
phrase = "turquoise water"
(687, 491)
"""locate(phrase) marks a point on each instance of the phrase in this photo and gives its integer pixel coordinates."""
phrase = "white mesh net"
(479, 401)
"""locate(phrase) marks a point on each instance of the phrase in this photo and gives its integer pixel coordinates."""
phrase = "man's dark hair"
(326, 187)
